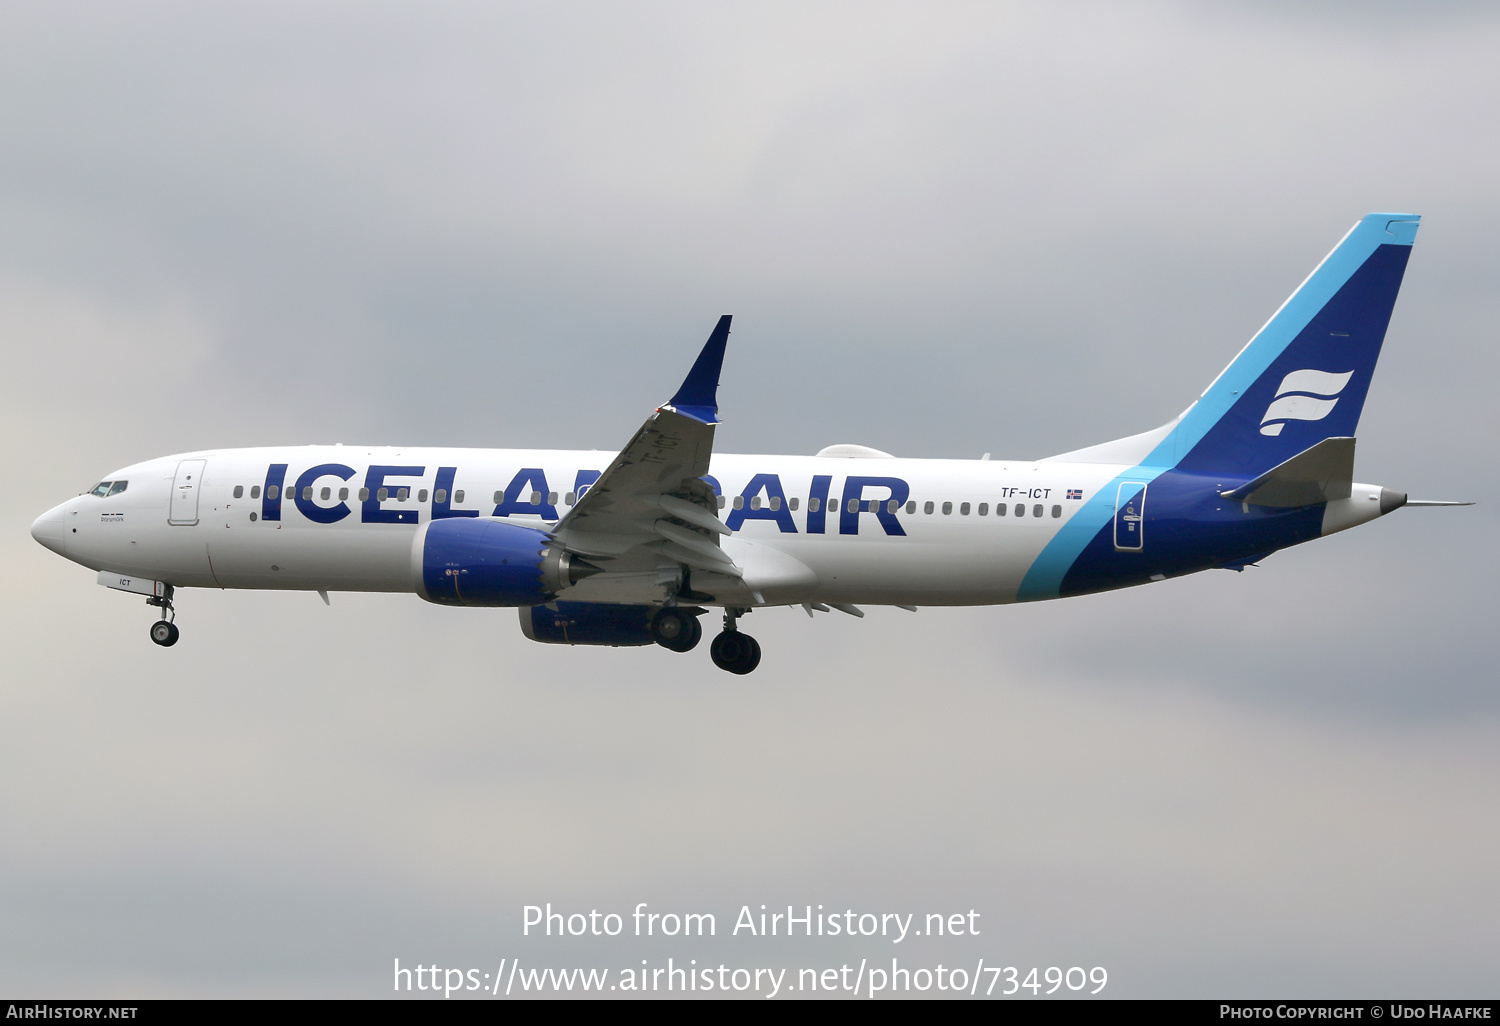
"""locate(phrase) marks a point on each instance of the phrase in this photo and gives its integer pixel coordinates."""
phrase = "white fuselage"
(959, 553)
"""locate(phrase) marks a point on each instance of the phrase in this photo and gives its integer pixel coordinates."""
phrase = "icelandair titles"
(528, 493)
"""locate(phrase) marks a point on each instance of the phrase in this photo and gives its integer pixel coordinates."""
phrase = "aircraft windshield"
(104, 488)
(118, 487)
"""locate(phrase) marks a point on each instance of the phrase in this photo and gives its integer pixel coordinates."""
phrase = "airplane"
(633, 551)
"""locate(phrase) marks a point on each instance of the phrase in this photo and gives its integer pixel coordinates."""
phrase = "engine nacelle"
(484, 562)
(588, 623)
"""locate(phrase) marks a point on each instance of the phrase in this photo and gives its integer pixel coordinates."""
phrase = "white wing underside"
(650, 523)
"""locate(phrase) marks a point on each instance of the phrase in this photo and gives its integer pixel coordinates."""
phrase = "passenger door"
(186, 487)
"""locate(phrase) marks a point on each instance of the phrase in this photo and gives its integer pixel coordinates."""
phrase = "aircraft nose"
(49, 530)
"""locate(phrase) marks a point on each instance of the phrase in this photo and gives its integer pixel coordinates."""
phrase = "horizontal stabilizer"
(1322, 473)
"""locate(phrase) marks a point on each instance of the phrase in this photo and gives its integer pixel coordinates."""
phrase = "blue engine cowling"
(588, 623)
(477, 562)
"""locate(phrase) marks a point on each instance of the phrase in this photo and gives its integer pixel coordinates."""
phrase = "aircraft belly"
(911, 571)
(363, 557)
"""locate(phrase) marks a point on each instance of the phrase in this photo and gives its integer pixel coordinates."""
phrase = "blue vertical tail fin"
(1301, 380)
(1304, 375)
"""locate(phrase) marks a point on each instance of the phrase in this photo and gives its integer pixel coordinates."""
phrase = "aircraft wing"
(651, 507)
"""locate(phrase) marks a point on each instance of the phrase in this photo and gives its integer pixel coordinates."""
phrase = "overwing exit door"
(185, 488)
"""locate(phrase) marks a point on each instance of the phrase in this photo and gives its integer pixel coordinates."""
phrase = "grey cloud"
(942, 231)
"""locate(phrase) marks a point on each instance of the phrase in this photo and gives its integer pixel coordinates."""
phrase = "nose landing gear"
(733, 651)
(164, 632)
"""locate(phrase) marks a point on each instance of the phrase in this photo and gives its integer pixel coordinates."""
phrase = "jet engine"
(484, 562)
(588, 623)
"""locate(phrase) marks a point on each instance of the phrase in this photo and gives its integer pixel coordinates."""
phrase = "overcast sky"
(943, 229)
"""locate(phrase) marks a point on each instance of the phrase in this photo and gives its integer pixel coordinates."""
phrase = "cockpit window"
(118, 487)
(101, 489)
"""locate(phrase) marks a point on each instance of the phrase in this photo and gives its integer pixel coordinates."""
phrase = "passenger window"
(1001, 509)
(791, 504)
(1020, 509)
(814, 504)
(306, 492)
(947, 508)
(239, 491)
(364, 495)
(273, 492)
(984, 509)
(739, 502)
(440, 496)
(382, 494)
(570, 498)
(101, 489)
(1057, 511)
(422, 495)
(499, 498)
(964, 509)
(892, 506)
(1036, 510)
(458, 496)
(343, 494)
(536, 498)
(927, 508)
(552, 498)
(755, 502)
(721, 502)
(853, 506)
(255, 491)
(775, 502)
(326, 494)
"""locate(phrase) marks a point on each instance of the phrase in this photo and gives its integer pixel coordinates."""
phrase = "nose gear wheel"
(164, 632)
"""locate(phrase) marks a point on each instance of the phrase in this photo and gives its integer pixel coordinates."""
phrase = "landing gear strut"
(675, 628)
(164, 632)
(733, 651)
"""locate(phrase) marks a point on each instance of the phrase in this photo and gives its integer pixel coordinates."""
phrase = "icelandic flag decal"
(1075, 493)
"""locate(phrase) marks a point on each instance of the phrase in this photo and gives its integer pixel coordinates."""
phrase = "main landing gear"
(733, 651)
(164, 632)
(676, 628)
